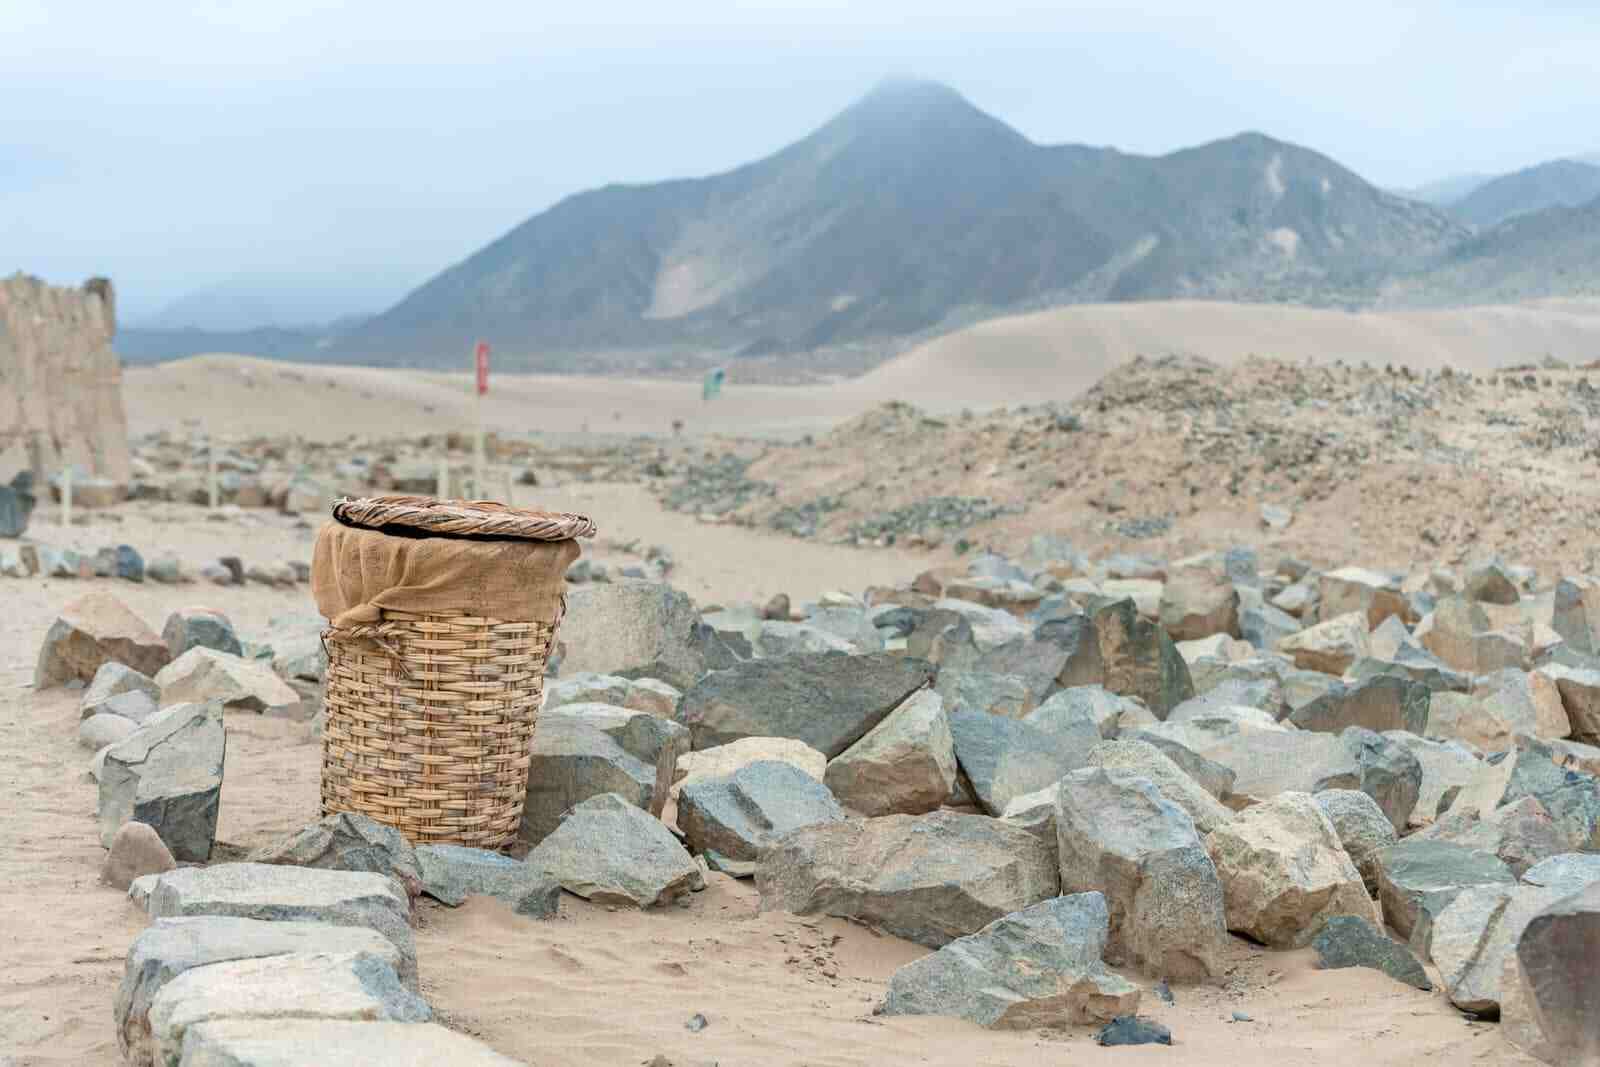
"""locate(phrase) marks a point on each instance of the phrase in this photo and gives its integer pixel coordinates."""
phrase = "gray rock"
(238, 684)
(189, 628)
(1352, 941)
(741, 815)
(16, 505)
(98, 731)
(1570, 796)
(167, 774)
(927, 878)
(639, 629)
(1004, 759)
(906, 765)
(572, 761)
(1381, 703)
(1197, 604)
(587, 688)
(1418, 879)
(1072, 725)
(1447, 768)
(1390, 773)
(1039, 967)
(345, 841)
(1263, 625)
(1132, 1030)
(995, 694)
(332, 1043)
(1490, 583)
(1284, 872)
(350, 986)
(1579, 689)
(1139, 659)
(1266, 762)
(1520, 833)
(1577, 614)
(1071, 648)
(828, 701)
(278, 893)
(1036, 813)
(170, 947)
(1212, 776)
(1363, 829)
(1528, 703)
(1147, 761)
(848, 624)
(1116, 833)
(654, 741)
(780, 638)
(452, 873)
(1094, 703)
(1551, 1003)
(1415, 664)
(114, 680)
(92, 631)
(136, 707)
(611, 852)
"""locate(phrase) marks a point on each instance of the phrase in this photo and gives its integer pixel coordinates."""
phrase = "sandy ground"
(1021, 359)
(596, 986)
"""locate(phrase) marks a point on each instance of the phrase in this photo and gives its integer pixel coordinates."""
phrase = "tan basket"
(429, 717)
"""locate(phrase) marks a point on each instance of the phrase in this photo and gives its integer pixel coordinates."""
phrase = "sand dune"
(1048, 355)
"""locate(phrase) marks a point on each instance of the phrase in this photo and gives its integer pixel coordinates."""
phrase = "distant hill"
(1560, 183)
(909, 213)
(1446, 191)
(300, 303)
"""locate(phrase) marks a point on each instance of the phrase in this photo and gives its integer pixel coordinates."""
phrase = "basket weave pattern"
(429, 724)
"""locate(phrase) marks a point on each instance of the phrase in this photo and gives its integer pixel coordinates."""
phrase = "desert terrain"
(1346, 422)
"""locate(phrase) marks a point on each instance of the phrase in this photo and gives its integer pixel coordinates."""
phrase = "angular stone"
(1284, 872)
(1331, 646)
(452, 873)
(927, 878)
(1212, 776)
(906, 765)
(609, 851)
(238, 684)
(1390, 773)
(1579, 689)
(828, 701)
(1528, 703)
(587, 688)
(1363, 829)
(639, 629)
(1576, 614)
(351, 986)
(170, 947)
(1132, 1030)
(1266, 762)
(1576, 756)
(1093, 703)
(1379, 704)
(1003, 758)
(189, 628)
(1448, 767)
(332, 1043)
(1139, 659)
(114, 680)
(1370, 594)
(1551, 1003)
(1418, 879)
(1036, 813)
(1571, 797)
(1196, 604)
(98, 731)
(136, 850)
(1521, 833)
(995, 694)
(782, 638)
(1353, 941)
(1075, 649)
(92, 631)
(650, 739)
(167, 774)
(346, 841)
(1488, 582)
(1147, 761)
(741, 815)
(1039, 967)
(1262, 626)
(572, 761)
(723, 760)
(1117, 833)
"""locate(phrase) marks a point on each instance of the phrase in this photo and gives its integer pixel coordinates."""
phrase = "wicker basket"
(430, 717)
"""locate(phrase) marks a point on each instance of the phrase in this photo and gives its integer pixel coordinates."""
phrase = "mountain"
(1446, 191)
(1560, 183)
(910, 212)
(299, 303)
(1553, 252)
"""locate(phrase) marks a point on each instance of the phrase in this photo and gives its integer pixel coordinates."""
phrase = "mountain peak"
(915, 100)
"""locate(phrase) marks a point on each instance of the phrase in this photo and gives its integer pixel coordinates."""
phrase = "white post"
(442, 485)
(211, 471)
(66, 497)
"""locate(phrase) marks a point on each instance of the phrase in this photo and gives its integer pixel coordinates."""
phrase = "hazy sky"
(364, 146)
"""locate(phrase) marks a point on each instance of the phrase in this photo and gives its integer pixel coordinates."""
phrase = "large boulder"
(1527, 703)
(1139, 659)
(1418, 879)
(1576, 613)
(189, 628)
(1352, 941)
(1382, 703)
(238, 684)
(1147, 761)
(1117, 834)
(1331, 646)
(331, 1043)
(1004, 759)
(1363, 829)
(1284, 872)
(1551, 1002)
(114, 680)
(655, 741)
(906, 765)
(168, 775)
(1521, 833)
(573, 760)
(1212, 776)
(1266, 761)
(1372, 595)
(169, 947)
(639, 629)
(94, 630)
(739, 816)
(1448, 767)
(346, 841)
(1095, 704)
(1039, 967)
(1579, 689)
(609, 851)
(452, 873)
(1390, 772)
(997, 694)
(1197, 603)
(350, 986)
(291, 894)
(1570, 796)
(723, 760)
(829, 701)
(927, 878)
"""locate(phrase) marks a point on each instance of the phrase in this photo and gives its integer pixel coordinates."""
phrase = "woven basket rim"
(461, 518)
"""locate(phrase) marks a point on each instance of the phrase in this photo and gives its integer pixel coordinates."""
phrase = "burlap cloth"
(357, 574)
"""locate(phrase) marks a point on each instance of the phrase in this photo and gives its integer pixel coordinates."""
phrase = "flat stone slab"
(1351, 941)
(333, 1043)
(169, 947)
(452, 873)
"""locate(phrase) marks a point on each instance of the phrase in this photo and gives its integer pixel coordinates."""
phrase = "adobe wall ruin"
(60, 381)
